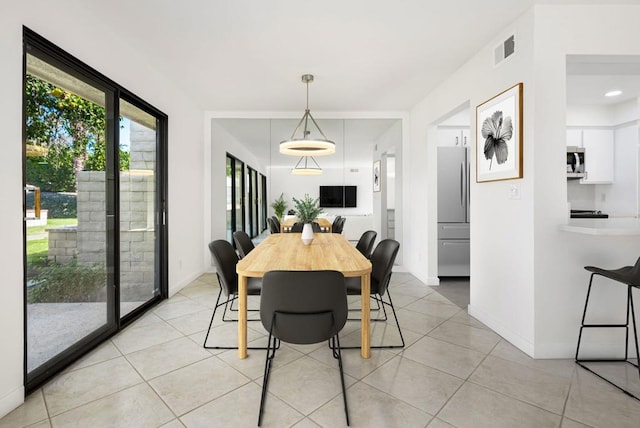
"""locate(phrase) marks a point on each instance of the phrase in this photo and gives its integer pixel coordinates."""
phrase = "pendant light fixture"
(306, 145)
(305, 169)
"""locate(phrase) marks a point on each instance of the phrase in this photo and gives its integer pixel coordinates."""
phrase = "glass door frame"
(263, 202)
(38, 46)
(235, 163)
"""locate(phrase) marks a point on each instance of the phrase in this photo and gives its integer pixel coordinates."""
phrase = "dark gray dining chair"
(382, 261)
(365, 243)
(272, 226)
(334, 225)
(276, 221)
(339, 226)
(225, 260)
(243, 243)
(303, 307)
(297, 227)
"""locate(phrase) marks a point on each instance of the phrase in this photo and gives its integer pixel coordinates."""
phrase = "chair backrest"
(225, 259)
(382, 261)
(272, 226)
(309, 306)
(276, 221)
(339, 226)
(297, 227)
(243, 243)
(365, 243)
(335, 222)
(316, 227)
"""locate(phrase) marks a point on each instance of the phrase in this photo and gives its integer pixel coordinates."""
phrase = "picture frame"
(499, 136)
(376, 176)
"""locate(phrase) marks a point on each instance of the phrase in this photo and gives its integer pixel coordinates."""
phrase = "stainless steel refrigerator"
(453, 211)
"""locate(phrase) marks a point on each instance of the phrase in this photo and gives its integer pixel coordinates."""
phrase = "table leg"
(242, 316)
(365, 287)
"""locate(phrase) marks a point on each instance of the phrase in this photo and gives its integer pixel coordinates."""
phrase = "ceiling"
(366, 55)
(589, 77)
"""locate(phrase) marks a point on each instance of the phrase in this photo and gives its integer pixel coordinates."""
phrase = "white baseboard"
(12, 400)
(433, 281)
(511, 336)
(179, 286)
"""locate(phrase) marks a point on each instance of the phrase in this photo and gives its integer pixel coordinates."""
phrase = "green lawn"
(52, 222)
(37, 249)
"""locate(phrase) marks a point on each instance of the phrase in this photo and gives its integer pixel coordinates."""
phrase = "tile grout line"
(464, 383)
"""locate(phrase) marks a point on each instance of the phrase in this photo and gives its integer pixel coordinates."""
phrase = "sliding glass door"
(235, 196)
(246, 199)
(68, 292)
(138, 207)
(94, 208)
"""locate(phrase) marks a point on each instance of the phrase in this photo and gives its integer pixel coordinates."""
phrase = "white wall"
(391, 141)
(527, 281)
(501, 265)
(296, 186)
(560, 281)
(86, 37)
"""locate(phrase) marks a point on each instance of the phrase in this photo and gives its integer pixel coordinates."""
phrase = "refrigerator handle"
(461, 184)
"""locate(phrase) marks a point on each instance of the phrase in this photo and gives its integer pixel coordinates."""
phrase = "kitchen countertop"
(622, 226)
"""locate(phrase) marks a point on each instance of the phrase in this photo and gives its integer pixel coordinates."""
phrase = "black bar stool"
(629, 275)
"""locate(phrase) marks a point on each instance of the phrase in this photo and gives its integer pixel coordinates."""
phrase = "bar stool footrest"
(627, 392)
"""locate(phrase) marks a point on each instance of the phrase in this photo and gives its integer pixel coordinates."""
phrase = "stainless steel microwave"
(576, 162)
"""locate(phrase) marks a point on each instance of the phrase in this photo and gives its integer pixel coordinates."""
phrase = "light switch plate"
(514, 191)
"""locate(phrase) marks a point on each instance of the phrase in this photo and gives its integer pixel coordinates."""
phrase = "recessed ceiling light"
(614, 93)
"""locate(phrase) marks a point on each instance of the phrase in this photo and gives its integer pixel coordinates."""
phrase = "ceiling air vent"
(504, 50)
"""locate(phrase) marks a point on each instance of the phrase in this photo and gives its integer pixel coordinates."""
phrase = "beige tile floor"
(454, 372)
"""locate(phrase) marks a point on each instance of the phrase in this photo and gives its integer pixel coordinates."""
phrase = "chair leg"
(390, 303)
(393, 309)
(335, 346)
(376, 309)
(630, 308)
(635, 330)
(204, 345)
(215, 308)
(236, 310)
(271, 353)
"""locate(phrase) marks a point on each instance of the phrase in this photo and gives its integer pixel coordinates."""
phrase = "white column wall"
(501, 228)
(527, 281)
(560, 280)
(77, 31)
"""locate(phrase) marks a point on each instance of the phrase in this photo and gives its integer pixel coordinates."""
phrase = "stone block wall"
(137, 211)
(63, 244)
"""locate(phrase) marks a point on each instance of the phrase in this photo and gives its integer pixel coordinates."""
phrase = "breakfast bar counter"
(615, 226)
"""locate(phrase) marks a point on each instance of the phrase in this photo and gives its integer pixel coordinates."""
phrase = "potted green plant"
(279, 206)
(307, 210)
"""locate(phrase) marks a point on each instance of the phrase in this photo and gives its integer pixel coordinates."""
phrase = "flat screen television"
(338, 196)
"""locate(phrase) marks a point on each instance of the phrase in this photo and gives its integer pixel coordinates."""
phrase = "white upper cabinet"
(599, 152)
(453, 137)
(574, 137)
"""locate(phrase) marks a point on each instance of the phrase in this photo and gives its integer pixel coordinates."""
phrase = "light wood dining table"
(285, 251)
(322, 222)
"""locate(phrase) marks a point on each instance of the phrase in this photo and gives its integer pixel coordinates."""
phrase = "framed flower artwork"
(376, 176)
(499, 136)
